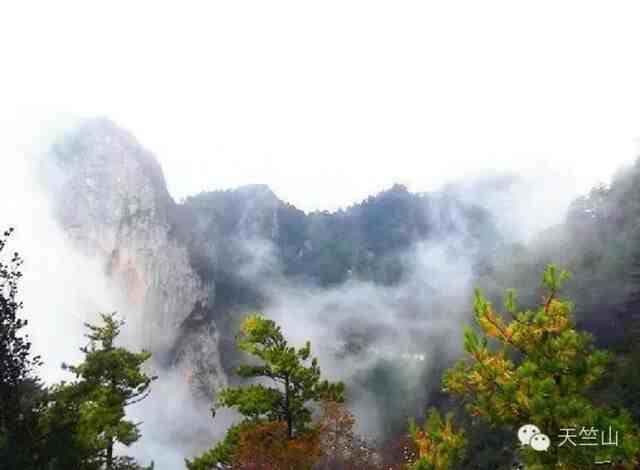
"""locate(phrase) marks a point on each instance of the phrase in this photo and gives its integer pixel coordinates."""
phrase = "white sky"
(330, 101)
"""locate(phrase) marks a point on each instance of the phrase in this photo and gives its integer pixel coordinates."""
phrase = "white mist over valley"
(351, 170)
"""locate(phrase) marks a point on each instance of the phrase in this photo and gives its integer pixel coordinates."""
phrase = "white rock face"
(113, 202)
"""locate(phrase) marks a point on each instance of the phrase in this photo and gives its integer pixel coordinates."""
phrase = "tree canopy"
(17, 366)
(534, 367)
(110, 378)
(296, 383)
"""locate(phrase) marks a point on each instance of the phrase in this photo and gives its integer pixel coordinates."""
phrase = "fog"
(355, 329)
(410, 330)
(359, 326)
(63, 288)
(343, 95)
(327, 103)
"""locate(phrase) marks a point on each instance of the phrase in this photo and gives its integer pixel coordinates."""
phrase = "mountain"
(111, 198)
(189, 270)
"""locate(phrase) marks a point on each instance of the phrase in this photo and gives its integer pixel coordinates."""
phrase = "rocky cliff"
(110, 196)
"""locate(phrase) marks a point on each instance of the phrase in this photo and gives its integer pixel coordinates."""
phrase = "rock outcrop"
(111, 198)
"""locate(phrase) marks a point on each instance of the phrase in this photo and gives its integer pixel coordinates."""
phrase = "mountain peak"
(108, 174)
(262, 191)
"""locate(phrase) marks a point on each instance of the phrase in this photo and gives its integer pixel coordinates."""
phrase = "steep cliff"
(110, 196)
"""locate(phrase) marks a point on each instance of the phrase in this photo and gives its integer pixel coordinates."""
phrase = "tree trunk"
(112, 391)
(287, 407)
(110, 454)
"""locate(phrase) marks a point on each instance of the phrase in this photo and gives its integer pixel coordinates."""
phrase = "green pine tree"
(111, 378)
(534, 367)
(221, 455)
(296, 385)
(296, 382)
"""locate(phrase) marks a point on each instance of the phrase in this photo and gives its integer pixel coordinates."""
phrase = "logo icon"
(530, 435)
(526, 432)
(540, 442)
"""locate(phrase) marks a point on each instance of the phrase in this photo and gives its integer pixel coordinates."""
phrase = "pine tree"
(534, 367)
(111, 379)
(222, 454)
(297, 384)
(276, 419)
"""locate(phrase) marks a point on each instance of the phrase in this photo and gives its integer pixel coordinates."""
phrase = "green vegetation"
(364, 240)
(67, 425)
(556, 364)
(284, 365)
(535, 367)
(17, 366)
(440, 445)
(296, 385)
(222, 453)
(109, 380)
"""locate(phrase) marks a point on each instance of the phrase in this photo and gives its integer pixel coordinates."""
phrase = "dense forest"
(552, 340)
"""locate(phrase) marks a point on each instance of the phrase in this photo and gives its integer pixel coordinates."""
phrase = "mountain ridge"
(191, 268)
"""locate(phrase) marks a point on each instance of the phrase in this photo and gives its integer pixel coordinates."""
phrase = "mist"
(517, 109)
(359, 327)
(404, 333)
(62, 288)
(411, 331)
(57, 299)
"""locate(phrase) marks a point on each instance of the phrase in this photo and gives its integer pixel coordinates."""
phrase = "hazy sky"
(330, 101)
